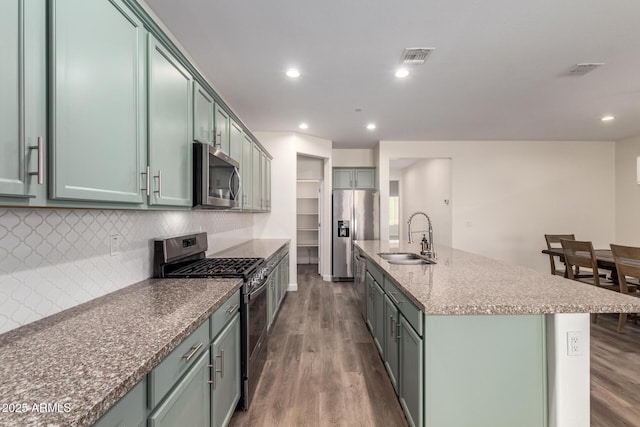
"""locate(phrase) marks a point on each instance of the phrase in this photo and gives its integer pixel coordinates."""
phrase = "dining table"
(604, 260)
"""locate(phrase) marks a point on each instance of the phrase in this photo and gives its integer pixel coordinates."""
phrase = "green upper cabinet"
(23, 98)
(267, 181)
(97, 101)
(235, 142)
(203, 107)
(170, 126)
(365, 179)
(342, 178)
(256, 163)
(354, 178)
(246, 173)
(223, 129)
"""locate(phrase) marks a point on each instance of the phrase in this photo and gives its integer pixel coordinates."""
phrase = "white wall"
(310, 168)
(354, 157)
(627, 193)
(505, 195)
(281, 221)
(425, 186)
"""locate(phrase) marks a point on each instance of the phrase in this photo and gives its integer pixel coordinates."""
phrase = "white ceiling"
(498, 71)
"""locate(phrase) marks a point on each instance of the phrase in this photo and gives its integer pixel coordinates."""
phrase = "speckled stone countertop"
(257, 248)
(465, 283)
(91, 355)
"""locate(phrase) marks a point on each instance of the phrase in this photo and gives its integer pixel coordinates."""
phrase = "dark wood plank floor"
(322, 367)
(615, 373)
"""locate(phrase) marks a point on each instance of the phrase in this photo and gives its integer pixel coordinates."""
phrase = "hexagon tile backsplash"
(53, 259)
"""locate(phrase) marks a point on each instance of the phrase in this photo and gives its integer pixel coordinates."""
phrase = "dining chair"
(553, 242)
(581, 254)
(627, 259)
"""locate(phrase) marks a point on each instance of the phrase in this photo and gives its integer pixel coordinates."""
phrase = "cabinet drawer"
(412, 313)
(223, 314)
(129, 411)
(168, 372)
(375, 272)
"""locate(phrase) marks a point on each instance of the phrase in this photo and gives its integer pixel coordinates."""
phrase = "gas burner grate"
(212, 267)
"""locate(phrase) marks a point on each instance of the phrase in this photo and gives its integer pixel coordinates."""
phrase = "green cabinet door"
(225, 383)
(203, 106)
(271, 299)
(23, 97)
(170, 126)
(131, 410)
(247, 173)
(342, 178)
(365, 179)
(370, 318)
(391, 341)
(97, 101)
(223, 130)
(267, 181)
(378, 324)
(256, 163)
(188, 403)
(235, 142)
(411, 377)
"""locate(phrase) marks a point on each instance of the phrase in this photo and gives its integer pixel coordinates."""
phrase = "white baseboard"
(327, 278)
(292, 287)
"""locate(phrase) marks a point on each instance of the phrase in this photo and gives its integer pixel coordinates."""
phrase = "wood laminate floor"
(615, 373)
(322, 367)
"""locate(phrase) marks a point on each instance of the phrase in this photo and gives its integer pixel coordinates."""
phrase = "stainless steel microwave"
(216, 179)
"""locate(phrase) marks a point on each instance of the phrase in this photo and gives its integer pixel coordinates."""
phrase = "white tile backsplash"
(53, 259)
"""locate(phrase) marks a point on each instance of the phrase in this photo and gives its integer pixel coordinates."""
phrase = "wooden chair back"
(627, 260)
(553, 242)
(580, 254)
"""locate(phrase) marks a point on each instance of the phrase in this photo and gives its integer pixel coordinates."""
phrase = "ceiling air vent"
(416, 55)
(584, 68)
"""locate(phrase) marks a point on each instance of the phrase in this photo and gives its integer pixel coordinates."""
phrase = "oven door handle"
(258, 291)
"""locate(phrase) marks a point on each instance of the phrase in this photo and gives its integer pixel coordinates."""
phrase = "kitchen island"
(472, 341)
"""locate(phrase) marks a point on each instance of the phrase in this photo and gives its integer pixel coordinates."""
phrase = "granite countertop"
(256, 248)
(91, 355)
(465, 283)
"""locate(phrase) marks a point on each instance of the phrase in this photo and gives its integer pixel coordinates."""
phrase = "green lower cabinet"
(271, 299)
(391, 345)
(370, 318)
(170, 129)
(411, 377)
(225, 372)
(378, 324)
(188, 404)
(131, 410)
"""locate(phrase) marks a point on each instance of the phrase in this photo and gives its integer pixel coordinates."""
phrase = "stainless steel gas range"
(184, 257)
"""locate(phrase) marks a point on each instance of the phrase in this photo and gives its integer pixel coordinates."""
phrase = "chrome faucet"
(429, 253)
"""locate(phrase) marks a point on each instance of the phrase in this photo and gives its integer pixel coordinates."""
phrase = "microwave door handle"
(234, 193)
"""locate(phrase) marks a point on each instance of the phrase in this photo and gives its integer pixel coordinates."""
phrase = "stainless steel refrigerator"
(356, 216)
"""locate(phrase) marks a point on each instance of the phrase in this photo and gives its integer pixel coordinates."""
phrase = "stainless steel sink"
(405, 258)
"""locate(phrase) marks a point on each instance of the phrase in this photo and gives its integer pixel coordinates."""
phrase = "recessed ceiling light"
(371, 126)
(607, 118)
(401, 73)
(303, 126)
(293, 73)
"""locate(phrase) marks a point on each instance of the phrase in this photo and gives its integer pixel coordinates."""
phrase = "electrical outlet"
(114, 244)
(574, 343)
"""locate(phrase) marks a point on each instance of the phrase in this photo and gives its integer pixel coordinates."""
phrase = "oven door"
(256, 322)
(216, 179)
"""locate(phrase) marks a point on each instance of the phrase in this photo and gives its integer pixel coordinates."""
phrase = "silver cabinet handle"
(159, 190)
(195, 349)
(221, 363)
(40, 172)
(391, 322)
(393, 298)
(212, 374)
(147, 188)
(233, 308)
